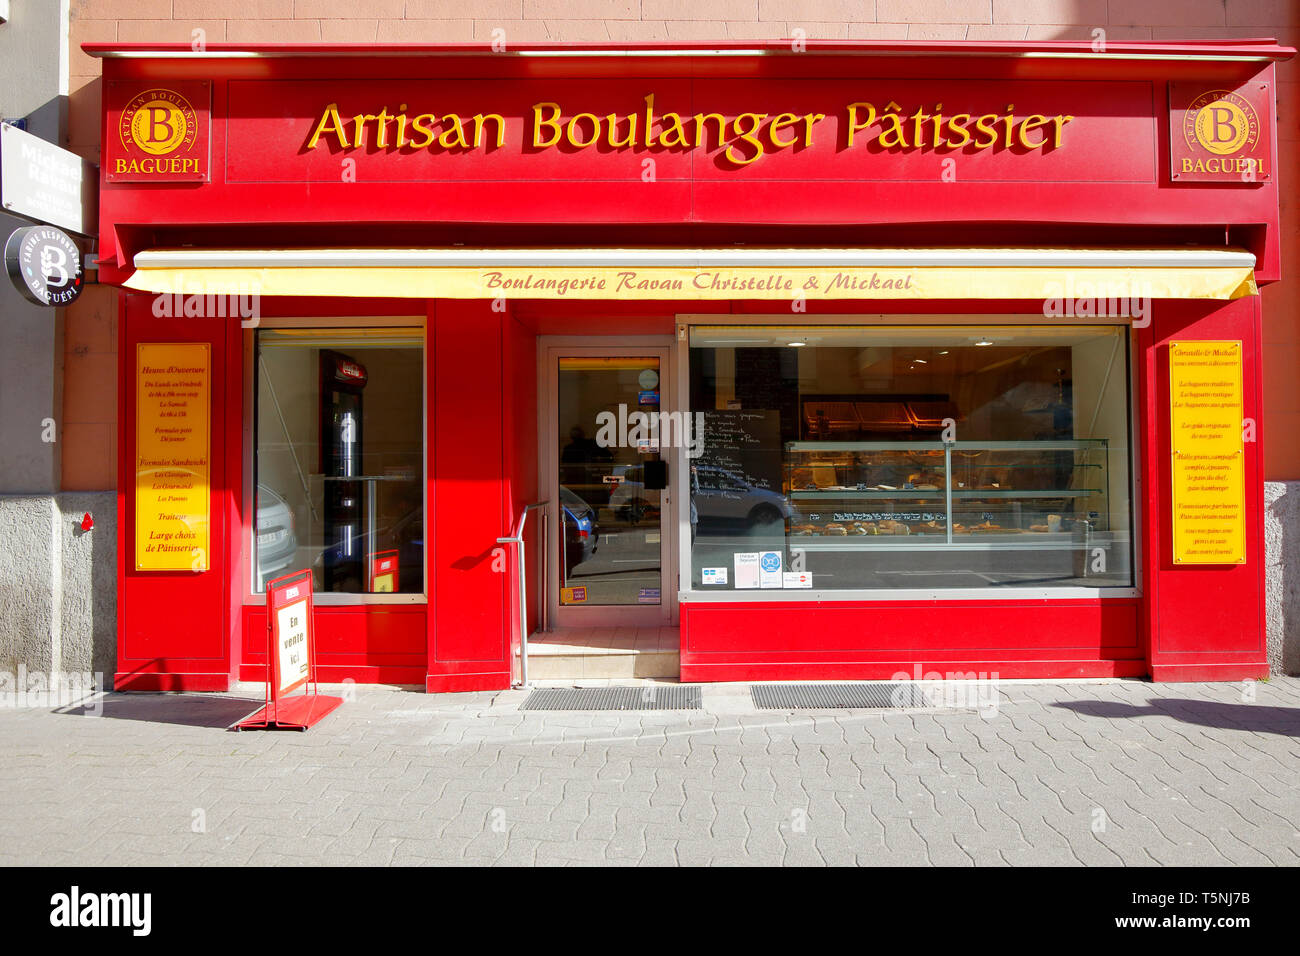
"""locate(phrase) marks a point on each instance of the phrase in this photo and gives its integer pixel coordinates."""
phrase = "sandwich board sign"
(290, 659)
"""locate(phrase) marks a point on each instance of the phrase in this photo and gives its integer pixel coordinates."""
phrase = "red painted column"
(469, 583)
(519, 354)
(174, 627)
(1203, 622)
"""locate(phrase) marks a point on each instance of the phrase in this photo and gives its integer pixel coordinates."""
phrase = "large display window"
(339, 463)
(919, 458)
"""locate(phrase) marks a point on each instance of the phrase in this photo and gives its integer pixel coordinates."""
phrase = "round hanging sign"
(45, 265)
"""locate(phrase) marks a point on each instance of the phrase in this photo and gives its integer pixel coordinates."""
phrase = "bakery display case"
(876, 497)
(1049, 494)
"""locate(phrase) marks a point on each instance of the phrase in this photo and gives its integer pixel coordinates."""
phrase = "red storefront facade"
(834, 218)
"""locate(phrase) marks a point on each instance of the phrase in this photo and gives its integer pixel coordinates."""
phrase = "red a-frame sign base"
(291, 713)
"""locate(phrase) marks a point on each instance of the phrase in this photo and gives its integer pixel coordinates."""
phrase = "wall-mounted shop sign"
(720, 283)
(158, 133)
(172, 465)
(1209, 468)
(704, 128)
(1220, 135)
(742, 138)
(45, 265)
(47, 183)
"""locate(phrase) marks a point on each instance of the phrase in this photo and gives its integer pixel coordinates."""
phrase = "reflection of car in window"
(725, 499)
(277, 544)
(581, 533)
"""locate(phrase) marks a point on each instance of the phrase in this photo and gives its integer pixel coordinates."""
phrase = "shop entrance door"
(608, 437)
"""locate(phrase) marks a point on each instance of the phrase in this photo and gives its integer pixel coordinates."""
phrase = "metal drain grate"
(656, 697)
(838, 696)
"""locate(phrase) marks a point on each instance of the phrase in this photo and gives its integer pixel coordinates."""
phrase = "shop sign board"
(291, 632)
(44, 263)
(338, 147)
(291, 661)
(1208, 469)
(1220, 135)
(726, 283)
(172, 465)
(47, 183)
(158, 133)
(719, 129)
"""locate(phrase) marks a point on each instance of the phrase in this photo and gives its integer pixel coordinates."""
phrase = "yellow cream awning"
(740, 272)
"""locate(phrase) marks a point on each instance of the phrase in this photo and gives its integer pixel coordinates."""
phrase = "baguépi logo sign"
(1219, 135)
(45, 265)
(162, 132)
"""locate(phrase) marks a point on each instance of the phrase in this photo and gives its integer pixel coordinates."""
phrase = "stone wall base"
(1282, 574)
(58, 584)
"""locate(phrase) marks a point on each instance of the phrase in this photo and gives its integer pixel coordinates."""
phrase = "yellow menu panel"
(172, 493)
(1209, 461)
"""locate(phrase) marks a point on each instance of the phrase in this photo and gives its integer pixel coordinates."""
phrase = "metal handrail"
(518, 539)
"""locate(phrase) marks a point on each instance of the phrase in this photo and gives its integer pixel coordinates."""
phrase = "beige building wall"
(89, 455)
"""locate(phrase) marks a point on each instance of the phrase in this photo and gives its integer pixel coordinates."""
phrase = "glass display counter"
(1014, 494)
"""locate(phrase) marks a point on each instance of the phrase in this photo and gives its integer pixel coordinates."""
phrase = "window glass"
(611, 543)
(926, 457)
(340, 458)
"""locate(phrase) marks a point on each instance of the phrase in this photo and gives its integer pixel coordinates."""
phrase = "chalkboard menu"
(742, 449)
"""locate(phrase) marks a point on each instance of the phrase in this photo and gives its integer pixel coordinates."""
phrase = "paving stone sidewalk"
(1093, 773)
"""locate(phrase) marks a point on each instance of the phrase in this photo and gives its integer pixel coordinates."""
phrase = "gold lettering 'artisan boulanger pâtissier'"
(744, 138)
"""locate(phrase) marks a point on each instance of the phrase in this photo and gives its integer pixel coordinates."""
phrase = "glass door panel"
(610, 480)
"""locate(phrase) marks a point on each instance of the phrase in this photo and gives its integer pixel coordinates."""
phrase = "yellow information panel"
(1209, 461)
(172, 464)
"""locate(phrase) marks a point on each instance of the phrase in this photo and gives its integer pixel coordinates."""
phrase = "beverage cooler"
(342, 386)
